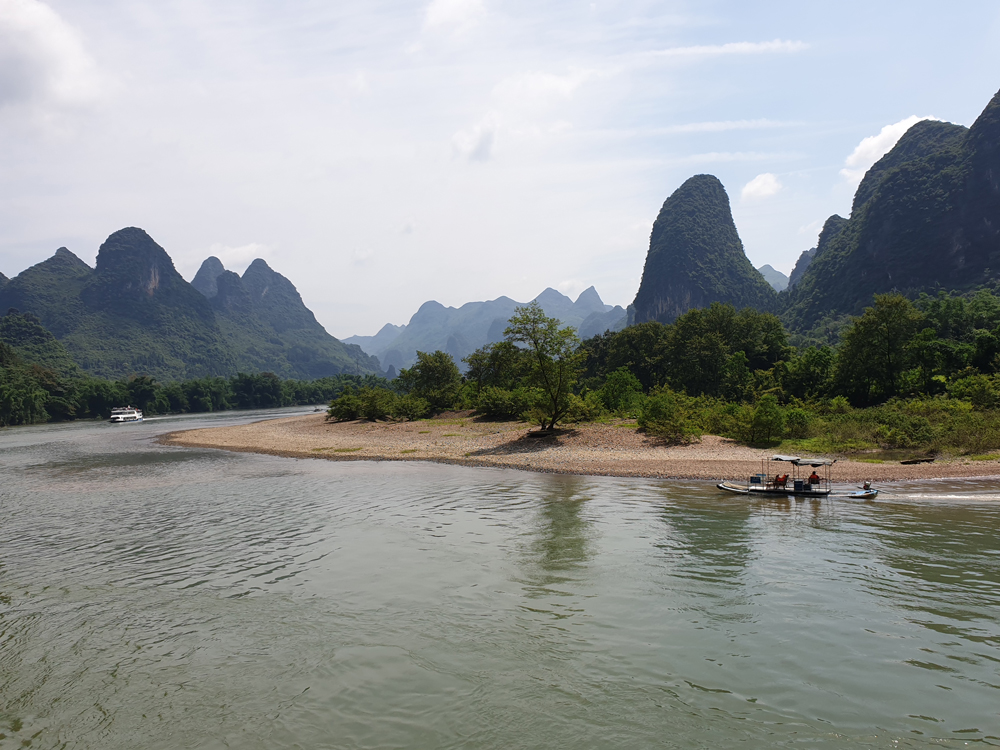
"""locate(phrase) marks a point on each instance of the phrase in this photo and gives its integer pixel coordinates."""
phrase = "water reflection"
(560, 538)
(707, 541)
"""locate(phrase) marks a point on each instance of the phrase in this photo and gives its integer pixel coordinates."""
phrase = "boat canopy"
(814, 462)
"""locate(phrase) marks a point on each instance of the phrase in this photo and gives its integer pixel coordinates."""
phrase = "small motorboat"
(865, 493)
(862, 495)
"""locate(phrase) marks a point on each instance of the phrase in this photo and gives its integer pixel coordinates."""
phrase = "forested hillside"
(925, 217)
(135, 315)
(696, 257)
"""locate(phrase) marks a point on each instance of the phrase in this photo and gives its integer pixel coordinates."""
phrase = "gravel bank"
(600, 450)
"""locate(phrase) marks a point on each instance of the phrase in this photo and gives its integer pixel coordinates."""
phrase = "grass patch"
(985, 457)
(451, 434)
(869, 460)
(345, 450)
(424, 432)
(410, 450)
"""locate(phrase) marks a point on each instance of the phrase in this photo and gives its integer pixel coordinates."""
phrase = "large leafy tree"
(876, 349)
(433, 377)
(555, 359)
(498, 365)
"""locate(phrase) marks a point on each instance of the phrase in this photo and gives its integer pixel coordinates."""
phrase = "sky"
(380, 154)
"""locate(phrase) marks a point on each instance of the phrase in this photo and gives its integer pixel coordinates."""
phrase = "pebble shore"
(618, 450)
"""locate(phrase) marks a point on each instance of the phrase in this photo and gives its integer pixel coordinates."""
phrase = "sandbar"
(616, 449)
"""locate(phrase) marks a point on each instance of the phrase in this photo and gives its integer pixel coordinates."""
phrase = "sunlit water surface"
(161, 597)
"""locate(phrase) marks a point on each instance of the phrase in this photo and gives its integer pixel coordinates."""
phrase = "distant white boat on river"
(120, 414)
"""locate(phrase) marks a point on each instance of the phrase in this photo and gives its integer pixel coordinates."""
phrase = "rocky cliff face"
(925, 217)
(136, 278)
(696, 257)
(831, 228)
(205, 280)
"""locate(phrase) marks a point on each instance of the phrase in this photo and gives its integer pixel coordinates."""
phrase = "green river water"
(155, 597)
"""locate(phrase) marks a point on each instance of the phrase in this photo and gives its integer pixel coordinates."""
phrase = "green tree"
(641, 348)
(555, 359)
(498, 365)
(433, 377)
(665, 416)
(768, 420)
(142, 392)
(809, 373)
(875, 349)
(621, 392)
(22, 399)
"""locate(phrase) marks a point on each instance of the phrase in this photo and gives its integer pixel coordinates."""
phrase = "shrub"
(797, 422)
(363, 403)
(979, 390)
(501, 403)
(346, 406)
(411, 407)
(621, 392)
(768, 420)
(665, 416)
(377, 403)
(586, 408)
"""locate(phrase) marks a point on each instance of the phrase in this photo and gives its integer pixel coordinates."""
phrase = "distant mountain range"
(134, 313)
(926, 217)
(774, 277)
(460, 331)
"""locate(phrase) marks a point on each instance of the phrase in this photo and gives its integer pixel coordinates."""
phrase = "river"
(162, 597)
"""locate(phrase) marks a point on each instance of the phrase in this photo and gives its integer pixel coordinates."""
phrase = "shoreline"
(615, 450)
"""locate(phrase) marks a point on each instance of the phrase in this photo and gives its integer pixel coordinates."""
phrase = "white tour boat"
(121, 414)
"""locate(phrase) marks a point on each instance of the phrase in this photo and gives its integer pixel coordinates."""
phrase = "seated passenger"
(814, 478)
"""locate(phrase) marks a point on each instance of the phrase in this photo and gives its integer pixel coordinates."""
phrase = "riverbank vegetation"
(31, 393)
(908, 377)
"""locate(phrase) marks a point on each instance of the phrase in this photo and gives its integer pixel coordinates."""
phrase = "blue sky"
(380, 154)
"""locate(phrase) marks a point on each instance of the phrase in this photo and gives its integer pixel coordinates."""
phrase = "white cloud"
(42, 58)
(571, 287)
(456, 15)
(874, 147)
(242, 255)
(732, 48)
(476, 143)
(762, 186)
